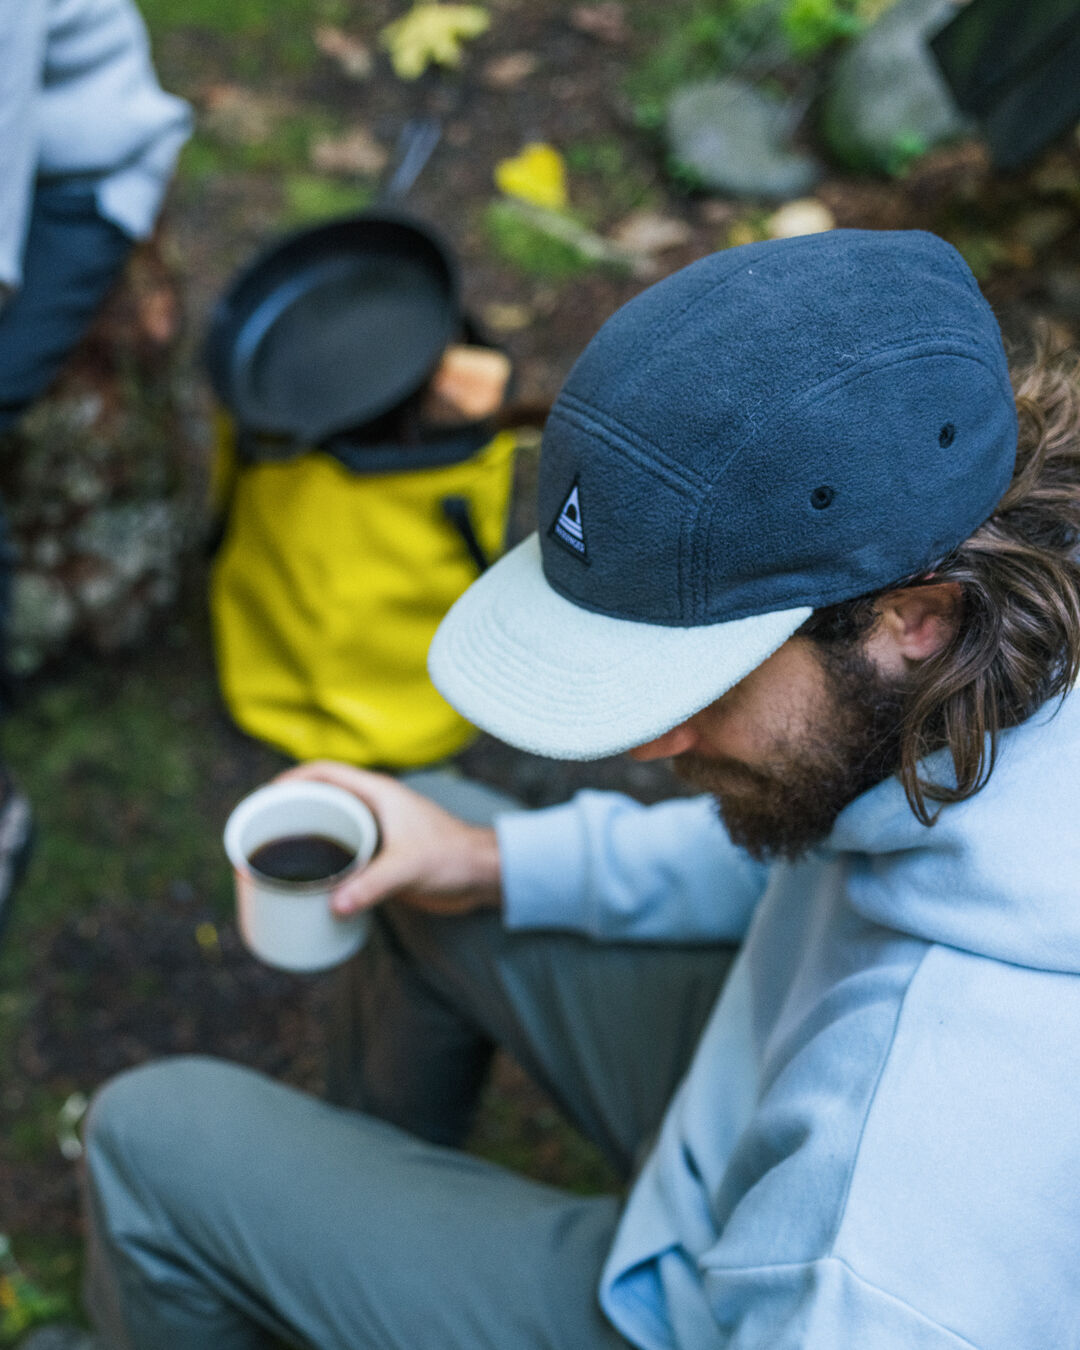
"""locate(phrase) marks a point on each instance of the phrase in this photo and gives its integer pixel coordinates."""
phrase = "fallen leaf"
(606, 22)
(650, 232)
(806, 215)
(431, 34)
(349, 53)
(537, 175)
(507, 72)
(356, 152)
(240, 116)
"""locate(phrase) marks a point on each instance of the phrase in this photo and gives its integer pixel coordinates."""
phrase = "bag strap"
(456, 511)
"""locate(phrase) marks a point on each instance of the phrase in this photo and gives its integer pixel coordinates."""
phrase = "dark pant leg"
(71, 260)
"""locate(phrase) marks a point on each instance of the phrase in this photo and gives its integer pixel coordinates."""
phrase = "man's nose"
(673, 742)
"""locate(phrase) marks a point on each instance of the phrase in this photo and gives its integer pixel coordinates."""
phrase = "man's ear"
(914, 624)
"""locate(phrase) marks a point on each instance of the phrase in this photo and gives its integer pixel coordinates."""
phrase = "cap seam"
(646, 340)
(620, 437)
(913, 348)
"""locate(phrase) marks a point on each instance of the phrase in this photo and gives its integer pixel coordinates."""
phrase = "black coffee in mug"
(301, 857)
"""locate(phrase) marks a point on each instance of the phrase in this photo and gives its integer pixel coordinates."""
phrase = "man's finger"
(381, 878)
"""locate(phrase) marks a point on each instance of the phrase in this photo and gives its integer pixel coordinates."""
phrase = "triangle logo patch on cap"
(568, 528)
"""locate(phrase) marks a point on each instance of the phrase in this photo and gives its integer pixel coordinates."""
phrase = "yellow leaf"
(537, 175)
(431, 34)
(206, 935)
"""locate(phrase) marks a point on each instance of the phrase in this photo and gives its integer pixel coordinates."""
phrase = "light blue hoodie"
(877, 1145)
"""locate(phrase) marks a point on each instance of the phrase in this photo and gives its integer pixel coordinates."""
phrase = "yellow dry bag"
(331, 577)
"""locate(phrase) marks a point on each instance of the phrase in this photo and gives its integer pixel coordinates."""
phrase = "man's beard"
(785, 807)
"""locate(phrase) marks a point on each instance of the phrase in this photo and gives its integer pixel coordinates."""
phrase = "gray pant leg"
(225, 1209)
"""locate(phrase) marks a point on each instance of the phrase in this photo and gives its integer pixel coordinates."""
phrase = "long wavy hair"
(1017, 643)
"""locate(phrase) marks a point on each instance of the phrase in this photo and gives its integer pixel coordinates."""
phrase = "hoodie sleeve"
(22, 45)
(608, 867)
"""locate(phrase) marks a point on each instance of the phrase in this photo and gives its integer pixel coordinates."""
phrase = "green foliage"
(310, 198)
(981, 250)
(286, 147)
(684, 176)
(521, 243)
(607, 183)
(274, 35)
(907, 147)
(25, 1302)
(812, 25)
(696, 40)
(603, 158)
(114, 769)
(707, 39)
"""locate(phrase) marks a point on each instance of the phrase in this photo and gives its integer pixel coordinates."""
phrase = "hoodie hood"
(998, 874)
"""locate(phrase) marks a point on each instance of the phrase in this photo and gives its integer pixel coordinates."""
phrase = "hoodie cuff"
(542, 855)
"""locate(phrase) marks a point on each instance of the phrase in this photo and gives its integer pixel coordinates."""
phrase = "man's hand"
(427, 857)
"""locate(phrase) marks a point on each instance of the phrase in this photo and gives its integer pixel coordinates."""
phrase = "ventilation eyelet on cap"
(821, 497)
(946, 435)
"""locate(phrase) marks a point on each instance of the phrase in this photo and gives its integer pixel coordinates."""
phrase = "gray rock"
(734, 137)
(134, 538)
(887, 102)
(43, 617)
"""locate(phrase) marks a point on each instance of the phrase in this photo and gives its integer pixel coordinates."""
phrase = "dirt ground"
(123, 949)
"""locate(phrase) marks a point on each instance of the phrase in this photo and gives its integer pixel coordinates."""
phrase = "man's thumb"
(379, 879)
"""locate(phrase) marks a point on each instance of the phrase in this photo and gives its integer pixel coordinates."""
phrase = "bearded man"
(788, 536)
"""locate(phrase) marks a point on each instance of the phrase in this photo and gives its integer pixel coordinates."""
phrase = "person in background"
(88, 142)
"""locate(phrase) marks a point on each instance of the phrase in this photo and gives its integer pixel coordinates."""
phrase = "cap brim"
(537, 671)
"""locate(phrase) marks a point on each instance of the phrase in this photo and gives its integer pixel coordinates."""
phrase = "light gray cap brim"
(539, 672)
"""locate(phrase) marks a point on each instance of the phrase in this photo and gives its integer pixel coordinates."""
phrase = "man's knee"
(145, 1115)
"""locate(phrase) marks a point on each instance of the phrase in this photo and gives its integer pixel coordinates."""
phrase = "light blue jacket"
(877, 1145)
(79, 100)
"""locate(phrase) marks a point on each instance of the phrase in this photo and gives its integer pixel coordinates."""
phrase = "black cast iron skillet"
(333, 326)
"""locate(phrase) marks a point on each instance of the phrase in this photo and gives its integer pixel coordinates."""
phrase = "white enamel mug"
(290, 924)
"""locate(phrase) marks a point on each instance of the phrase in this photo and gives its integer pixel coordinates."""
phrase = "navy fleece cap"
(772, 429)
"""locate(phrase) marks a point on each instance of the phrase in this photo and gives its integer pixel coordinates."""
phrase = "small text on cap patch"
(568, 527)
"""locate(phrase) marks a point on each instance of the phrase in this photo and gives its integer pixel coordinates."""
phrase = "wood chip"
(507, 72)
(650, 232)
(469, 383)
(357, 152)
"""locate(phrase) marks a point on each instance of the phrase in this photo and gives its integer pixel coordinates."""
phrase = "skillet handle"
(419, 137)
(456, 511)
